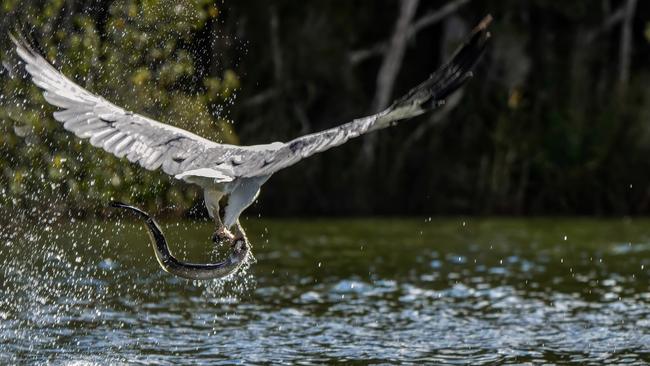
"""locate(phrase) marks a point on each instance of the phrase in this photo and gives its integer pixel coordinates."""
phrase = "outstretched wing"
(185, 155)
(424, 97)
(150, 143)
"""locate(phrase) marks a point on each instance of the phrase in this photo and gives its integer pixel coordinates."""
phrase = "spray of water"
(64, 262)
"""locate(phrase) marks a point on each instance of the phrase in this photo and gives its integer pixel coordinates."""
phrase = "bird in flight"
(222, 170)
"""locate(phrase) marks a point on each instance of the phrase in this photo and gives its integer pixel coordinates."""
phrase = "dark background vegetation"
(556, 121)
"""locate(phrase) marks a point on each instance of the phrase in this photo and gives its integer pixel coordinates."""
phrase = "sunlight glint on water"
(438, 291)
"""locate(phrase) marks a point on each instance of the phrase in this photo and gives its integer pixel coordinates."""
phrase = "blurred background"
(556, 121)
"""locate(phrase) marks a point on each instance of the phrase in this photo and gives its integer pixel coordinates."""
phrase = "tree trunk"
(389, 70)
(625, 50)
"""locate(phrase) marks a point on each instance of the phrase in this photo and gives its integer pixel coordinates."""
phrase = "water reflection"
(506, 291)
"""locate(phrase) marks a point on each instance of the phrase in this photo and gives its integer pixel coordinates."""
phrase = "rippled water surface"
(321, 291)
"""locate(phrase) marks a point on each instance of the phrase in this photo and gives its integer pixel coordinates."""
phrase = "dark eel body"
(192, 271)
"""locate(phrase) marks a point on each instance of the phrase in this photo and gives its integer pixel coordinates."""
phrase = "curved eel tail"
(193, 271)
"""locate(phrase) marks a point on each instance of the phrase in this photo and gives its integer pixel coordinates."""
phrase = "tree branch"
(275, 45)
(625, 49)
(435, 17)
(390, 67)
(611, 21)
(425, 21)
(392, 62)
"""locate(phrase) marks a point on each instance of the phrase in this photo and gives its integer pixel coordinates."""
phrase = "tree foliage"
(139, 55)
(550, 124)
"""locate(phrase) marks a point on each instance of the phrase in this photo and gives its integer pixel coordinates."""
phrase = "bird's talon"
(239, 244)
(221, 236)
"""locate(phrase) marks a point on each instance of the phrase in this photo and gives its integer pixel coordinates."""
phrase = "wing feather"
(149, 143)
(182, 154)
(427, 96)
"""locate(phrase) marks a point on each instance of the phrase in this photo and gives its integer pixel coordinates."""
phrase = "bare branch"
(625, 49)
(359, 56)
(390, 67)
(275, 45)
(392, 62)
(436, 16)
(261, 98)
(425, 21)
(611, 21)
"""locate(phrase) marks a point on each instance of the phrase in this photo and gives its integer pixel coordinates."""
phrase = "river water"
(441, 291)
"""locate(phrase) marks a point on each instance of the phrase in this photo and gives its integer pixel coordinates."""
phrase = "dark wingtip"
(456, 72)
(484, 23)
(477, 40)
(481, 33)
